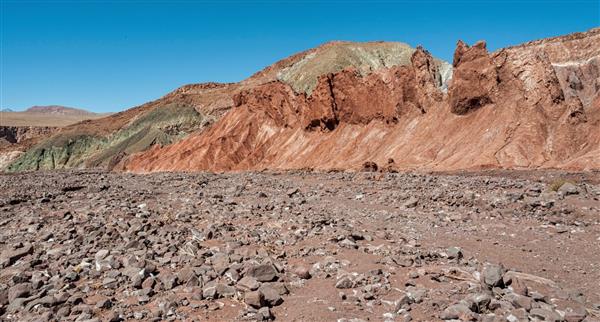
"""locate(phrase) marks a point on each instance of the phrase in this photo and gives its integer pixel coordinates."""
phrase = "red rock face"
(474, 79)
(534, 105)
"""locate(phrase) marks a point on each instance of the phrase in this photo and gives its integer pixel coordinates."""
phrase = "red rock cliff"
(529, 106)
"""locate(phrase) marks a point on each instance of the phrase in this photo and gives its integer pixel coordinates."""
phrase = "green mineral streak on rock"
(162, 125)
(59, 151)
(365, 57)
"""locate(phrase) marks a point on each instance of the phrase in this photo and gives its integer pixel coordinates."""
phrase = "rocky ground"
(488, 246)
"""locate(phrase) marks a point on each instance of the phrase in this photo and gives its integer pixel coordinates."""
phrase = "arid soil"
(300, 246)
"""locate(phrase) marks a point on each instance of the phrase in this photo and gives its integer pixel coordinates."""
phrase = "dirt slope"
(528, 106)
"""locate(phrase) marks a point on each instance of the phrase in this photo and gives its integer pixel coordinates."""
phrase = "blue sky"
(112, 55)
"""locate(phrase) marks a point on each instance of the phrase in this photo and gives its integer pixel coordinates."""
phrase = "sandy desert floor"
(42, 119)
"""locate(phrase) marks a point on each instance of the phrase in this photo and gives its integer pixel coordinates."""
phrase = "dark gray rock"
(19, 291)
(248, 283)
(254, 299)
(492, 275)
(456, 311)
(545, 315)
(270, 295)
(263, 273)
(344, 282)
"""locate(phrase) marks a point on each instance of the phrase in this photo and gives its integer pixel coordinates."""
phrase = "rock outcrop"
(528, 106)
(14, 140)
(19, 134)
(475, 78)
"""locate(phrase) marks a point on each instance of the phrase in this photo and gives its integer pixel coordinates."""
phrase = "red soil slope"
(528, 106)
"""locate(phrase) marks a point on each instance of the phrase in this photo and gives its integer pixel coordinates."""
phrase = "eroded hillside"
(529, 106)
(343, 104)
(107, 142)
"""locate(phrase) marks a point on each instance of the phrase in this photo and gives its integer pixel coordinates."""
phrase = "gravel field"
(300, 246)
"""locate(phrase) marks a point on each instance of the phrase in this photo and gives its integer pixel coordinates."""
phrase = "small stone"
(347, 243)
(210, 292)
(545, 315)
(403, 261)
(224, 290)
(264, 313)
(12, 256)
(490, 317)
(454, 253)
(280, 288)
(518, 286)
(149, 282)
(63, 311)
(303, 272)
(291, 192)
(220, 263)
(109, 282)
(169, 281)
(186, 274)
(412, 202)
(248, 283)
(519, 301)
(456, 311)
(114, 317)
(270, 295)
(568, 189)
(576, 315)
(18, 291)
(3, 297)
(263, 273)
(538, 297)
(101, 254)
(481, 300)
(103, 304)
(403, 303)
(417, 294)
(254, 299)
(344, 282)
(492, 275)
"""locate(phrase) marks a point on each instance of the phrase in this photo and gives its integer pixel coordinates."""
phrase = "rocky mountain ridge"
(527, 106)
(342, 105)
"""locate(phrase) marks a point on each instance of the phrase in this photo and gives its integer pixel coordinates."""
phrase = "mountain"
(58, 110)
(6, 110)
(106, 142)
(528, 106)
(343, 105)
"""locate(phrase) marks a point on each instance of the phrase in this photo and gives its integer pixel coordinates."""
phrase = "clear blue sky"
(112, 55)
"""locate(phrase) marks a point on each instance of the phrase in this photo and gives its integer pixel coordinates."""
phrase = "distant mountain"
(6, 110)
(46, 116)
(58, 110)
